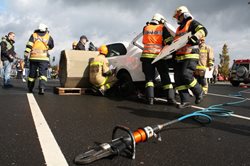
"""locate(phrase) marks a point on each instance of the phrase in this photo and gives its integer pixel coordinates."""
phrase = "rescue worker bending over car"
(206, 61)
(37, 51)
(100, 75)
(155, 37)
(85, 44)
(186, 58)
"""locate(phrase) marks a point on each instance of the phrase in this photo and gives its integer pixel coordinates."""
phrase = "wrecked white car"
(126, 58)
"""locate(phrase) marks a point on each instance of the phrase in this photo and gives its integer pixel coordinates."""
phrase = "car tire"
(126, 85)
(235, 83)
(242, 72)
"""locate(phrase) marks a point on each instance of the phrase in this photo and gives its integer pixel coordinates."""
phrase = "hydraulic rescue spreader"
(126, 141)
(118, 144)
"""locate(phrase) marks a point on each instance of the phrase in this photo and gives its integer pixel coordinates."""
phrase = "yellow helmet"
(103, 49)
(180, 10)
(158, 17)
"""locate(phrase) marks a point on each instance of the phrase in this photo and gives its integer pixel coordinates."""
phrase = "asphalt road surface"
(52, 129)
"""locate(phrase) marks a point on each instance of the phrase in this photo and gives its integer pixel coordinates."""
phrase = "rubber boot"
(31, 86)
(184, 99)
(102, 90)
(41, 91)
(150, 95)
(42, 85)
(198, 93)
(170, 94)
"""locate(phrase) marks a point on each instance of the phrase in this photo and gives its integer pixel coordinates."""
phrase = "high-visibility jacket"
(9, 45)
(188, 51)
(7, 49)
(40, 47)
(152, 40)
(98, 67)
(206, 57)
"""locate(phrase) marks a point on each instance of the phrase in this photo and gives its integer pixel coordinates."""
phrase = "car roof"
(242, 61)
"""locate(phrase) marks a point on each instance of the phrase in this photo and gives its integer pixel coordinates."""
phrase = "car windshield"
(116, 49)
(236, 66)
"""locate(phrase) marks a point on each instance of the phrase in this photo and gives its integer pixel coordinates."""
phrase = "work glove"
(193, 40)
(11, 58)
(108, 73)
(114, 71)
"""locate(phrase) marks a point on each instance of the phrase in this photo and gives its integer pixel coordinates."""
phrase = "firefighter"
(85, 44)
(155, 37)
(101, 76)
(37, 50)
(186, 58)
(206, 61)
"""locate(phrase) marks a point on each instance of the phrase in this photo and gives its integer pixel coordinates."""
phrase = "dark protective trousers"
(40, 68)
(202, 80)
(184, 78)
(149, 72)
(200, 76)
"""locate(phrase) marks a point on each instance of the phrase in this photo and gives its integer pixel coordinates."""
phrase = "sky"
(110, 21)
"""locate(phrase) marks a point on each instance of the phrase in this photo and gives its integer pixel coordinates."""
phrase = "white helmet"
(180, 10)
(158, 17)
(42, 27)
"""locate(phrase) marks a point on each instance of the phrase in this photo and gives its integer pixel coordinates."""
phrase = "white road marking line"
(234, 97)
(197, 107)
(51, 151)
(241, 117)
(234, 115)
(245, 91)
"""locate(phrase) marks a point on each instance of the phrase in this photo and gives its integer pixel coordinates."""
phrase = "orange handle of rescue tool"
(140, 135)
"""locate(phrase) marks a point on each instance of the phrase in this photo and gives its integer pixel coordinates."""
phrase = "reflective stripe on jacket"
(7, 49)
(188, 51)
(40, 47)
(8, 44)
(152, 40)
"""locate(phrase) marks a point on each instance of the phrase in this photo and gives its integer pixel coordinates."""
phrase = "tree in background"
(224, 62)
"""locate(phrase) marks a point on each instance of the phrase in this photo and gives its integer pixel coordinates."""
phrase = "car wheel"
(126, 85)
(242, 72)
(235, 83)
